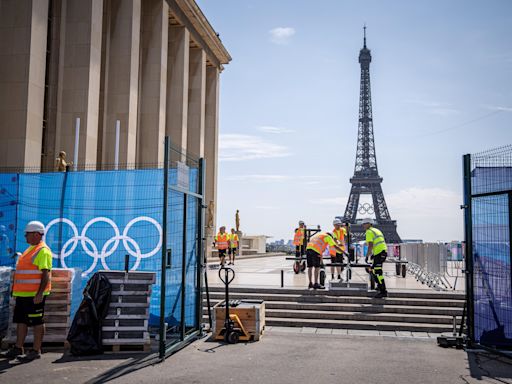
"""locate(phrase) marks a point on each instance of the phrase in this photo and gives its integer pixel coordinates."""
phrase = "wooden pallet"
(125, 327)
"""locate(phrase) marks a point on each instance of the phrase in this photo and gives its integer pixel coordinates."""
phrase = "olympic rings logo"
(110, 246)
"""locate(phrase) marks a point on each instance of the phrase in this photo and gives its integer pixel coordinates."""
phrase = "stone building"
(151, 65)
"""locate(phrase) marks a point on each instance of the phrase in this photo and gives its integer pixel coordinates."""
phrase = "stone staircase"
(414, 311)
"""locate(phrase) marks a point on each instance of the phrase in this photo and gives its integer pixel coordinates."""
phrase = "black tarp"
(84, 335)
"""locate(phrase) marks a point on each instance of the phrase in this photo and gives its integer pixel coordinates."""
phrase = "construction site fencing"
(488, 216)
(430, 264)
(144, 219)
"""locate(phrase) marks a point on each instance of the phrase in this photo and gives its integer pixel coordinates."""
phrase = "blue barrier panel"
(491, 273)
(95, 219)
(8, 203)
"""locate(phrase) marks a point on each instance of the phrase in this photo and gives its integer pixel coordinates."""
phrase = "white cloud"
(430, 214)
(236, 147)
(281, 35)
(275, 130)
(499, 108)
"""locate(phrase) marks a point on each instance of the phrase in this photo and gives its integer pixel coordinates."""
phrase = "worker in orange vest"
(298, 239)
(337, 257)
(31, 285)
(222, 244)
(233, 246)
(314, 250)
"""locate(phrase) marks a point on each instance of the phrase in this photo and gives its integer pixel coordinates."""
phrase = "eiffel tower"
(366, 179)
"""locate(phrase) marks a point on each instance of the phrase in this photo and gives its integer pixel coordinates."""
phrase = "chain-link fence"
(146, 218)
(488, 206)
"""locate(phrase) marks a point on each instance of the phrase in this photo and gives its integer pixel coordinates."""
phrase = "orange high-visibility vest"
(27, 277)
(222, 241)
(318, 243)
(298, 239)
(233, 240)
(339, 234)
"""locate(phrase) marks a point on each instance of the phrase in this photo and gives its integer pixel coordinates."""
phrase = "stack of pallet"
(57, 310)
(126, 326)
(5, 291)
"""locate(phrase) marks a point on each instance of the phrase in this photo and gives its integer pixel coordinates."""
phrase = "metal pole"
(468, 238)
(164, 250)
(116, 153)
(200, 244)
(77, 142)
(184, 267)
(282, 278)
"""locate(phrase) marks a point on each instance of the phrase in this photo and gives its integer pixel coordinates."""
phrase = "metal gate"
(488, 216)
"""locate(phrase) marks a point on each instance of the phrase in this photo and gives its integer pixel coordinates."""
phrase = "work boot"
(12, 353)
(332, 276)
(381, 294)
(29, 356)
(310, 286)
(339, 278)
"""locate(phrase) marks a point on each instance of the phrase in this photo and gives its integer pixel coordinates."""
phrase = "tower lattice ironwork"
(366, 179)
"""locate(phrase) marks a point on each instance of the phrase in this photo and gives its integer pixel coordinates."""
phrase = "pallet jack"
(233, 330)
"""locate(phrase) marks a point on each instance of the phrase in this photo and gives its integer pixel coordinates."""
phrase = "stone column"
(79, 85)
(211, 146)
(177, 87)
(196, 102)
(23, 34)
(122, 81)
(153, 81)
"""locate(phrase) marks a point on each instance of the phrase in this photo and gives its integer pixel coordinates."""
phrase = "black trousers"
(378, 274)
(299, 250)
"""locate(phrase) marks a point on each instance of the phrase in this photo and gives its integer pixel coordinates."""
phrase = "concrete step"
(416, 294)
(348, 324)
(356, 316)
(299, 298)
(363, 325)
(363, 308)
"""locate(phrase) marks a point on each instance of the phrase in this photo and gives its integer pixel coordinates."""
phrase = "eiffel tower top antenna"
(364, 28)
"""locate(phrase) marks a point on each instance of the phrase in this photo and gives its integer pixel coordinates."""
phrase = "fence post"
(164, 250)
(468, 238)
(200, 243)
(184, 267)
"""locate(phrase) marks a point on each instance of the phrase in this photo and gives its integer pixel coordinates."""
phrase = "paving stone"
(387, 333)
(363, 332)
(340, 332)
(286, 329)
(423, 335)
(324, 331)
(308, 330)
(404, 334)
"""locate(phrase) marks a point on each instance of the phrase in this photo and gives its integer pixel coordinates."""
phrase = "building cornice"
(188, 13)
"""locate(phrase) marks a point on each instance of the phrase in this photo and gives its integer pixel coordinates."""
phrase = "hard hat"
(336, 222)
(35, 226)
(301, 222)
(368, 221)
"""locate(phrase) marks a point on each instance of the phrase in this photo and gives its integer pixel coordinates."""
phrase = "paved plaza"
(284, 355)
(266, 272)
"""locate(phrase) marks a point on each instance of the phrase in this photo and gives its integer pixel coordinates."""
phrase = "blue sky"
(441, 78)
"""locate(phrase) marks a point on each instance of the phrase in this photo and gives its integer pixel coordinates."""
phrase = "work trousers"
(378, 274)
(299, 250)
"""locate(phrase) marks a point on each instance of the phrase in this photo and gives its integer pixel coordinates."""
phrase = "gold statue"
(61, 163)
(237, 220)
(211, 208)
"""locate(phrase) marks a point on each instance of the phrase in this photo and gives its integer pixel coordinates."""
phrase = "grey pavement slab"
(387, 333)
(340, 331)
(308, 330)
(362, 332)
(324, 331)
(276, 358)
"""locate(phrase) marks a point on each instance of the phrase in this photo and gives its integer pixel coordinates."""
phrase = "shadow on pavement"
(486, 365)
